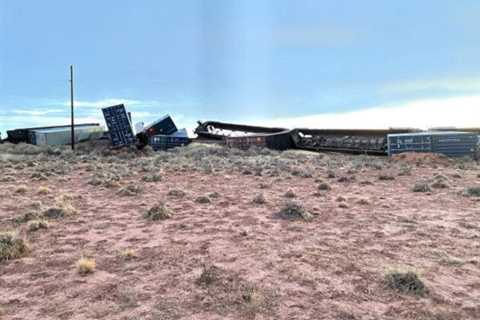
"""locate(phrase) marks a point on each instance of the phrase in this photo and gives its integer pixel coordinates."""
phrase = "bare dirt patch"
(231, 257)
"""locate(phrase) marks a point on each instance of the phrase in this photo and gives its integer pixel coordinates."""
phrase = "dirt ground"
(229, 257)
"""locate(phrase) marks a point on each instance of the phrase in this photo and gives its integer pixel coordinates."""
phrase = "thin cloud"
(445, 85)
(105, 103)
(423, 114)
(39, 112)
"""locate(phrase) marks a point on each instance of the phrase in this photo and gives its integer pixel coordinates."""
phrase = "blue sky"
(258, 61)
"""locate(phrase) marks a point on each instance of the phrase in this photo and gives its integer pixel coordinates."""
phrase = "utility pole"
(71, 108)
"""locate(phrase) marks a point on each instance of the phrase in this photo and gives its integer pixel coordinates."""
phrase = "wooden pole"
(71, 108)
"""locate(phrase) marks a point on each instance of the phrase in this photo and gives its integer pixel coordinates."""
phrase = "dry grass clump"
(7, 179)
(290, 194)
(158, 212)
(472, 191)
(363, 202)
(28, 216)
(176, 193)
(21, 190)
(440, 182)
(36, 225)
(86, 266)
(203, 200)
(128, 254)
(405, 282)
(63, 208)
(259, 199)
(386, 177)
(38, 176)
(43, 190)
(294, 211)
(421, 186)
(12, 246)
(324, 186)
(130, 190)
(152, 178)
(231, 293)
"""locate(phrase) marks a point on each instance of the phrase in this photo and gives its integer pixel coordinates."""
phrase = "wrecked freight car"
(370, 141)
(244, 136)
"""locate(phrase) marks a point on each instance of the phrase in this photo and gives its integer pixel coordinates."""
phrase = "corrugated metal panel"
(454, 144)
(276, 141)
(119, 125)
(163, 126)
(164, 142)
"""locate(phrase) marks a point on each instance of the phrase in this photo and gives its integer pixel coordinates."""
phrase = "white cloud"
(39, 112)
(105, 103)
(448, 84)
(424, 114)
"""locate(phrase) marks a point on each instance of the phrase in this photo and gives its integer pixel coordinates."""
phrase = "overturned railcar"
(244, 136)
(371, 141)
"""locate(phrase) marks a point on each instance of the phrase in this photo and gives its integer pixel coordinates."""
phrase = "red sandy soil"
(332, 267)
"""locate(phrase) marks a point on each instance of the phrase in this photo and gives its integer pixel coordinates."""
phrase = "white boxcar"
(62, 136)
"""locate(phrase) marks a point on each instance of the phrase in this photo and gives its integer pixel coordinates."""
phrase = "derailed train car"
(244, 136)
(371, 141)
(335, 140)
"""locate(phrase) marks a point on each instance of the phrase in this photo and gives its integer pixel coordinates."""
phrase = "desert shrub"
(62, 208)
(341, 199)
(331, 174)
(7, 179)
(324, 186)
(290, 194)
(21, 190)
(386, 177)
(363, 202)
(128, 254)
(209, 276)
(152, 178)
(43, 190)
(214, 195)
(472, 191)
(421, 186)
(203, 200)
(86, 266)
(36, 225)
(405, 170)
(294, 211)
(259, 199)
(177, 193)
(12, 246)
(28, 216)
(38, 176)
(346, 179)
(130, 190)
(440, 184)
(405, 282)
(227, 288)
(263, 185)
(158, 212)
